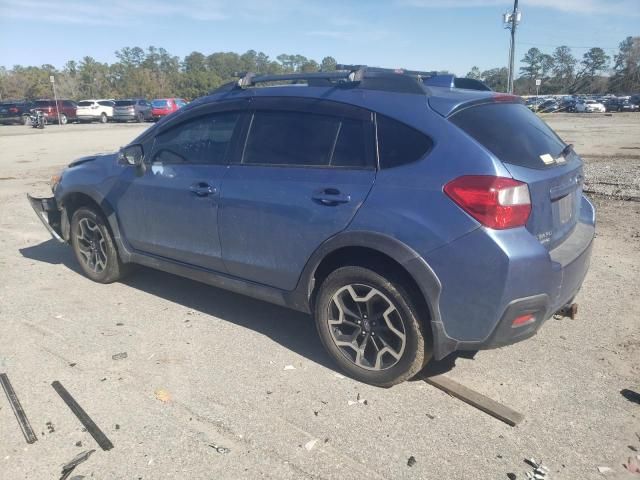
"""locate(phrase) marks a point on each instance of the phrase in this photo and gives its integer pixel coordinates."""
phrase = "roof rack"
(361, 76)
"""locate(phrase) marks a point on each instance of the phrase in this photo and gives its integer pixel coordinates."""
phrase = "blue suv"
(411, 217)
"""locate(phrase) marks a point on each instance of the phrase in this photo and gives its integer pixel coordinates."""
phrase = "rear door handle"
(330, 197)
(202, 189)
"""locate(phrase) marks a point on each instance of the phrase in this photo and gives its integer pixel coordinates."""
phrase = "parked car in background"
(161, 107)
(568, 105)
(15, 112)
(411, 222)
(590, 106)
(622, 104)
(137, 109)
(51, 108)
(100, 110)
(549, 106)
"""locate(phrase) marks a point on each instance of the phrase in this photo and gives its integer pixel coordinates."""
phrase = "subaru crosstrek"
(412, 218)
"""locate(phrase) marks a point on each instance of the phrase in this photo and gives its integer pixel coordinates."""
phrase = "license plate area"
(565, 207)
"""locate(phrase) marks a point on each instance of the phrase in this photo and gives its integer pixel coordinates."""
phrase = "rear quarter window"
(511, 132)
(400, 144)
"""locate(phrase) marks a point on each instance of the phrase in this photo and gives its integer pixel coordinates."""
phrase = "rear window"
(124, 103)
(159, 103)
(511, 132)
(85, 104)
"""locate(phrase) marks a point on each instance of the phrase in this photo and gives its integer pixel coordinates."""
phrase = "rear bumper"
(128, 116)
(47, 211)
(90, 117)
(489, 278)
(13, 118)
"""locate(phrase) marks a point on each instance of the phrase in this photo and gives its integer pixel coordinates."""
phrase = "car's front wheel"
(103, 118)
(63, 119)
(94, 246)
(370, 326)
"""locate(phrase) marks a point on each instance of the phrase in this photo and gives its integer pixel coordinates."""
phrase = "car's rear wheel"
(370, 326)
(26, 120)
(94, 246)
(103, 118)
(63, 119)
(140, 117)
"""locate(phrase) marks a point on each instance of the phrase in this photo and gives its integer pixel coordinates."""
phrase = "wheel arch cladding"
(72, 201)
(387, 257)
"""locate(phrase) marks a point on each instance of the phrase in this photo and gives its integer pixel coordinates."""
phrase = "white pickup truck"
(100, 110)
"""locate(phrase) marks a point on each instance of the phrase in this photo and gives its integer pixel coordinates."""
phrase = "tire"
(26, 120)
(63, 119)
(94, 247)
(140, 117)
(103, 118)
(384, 370)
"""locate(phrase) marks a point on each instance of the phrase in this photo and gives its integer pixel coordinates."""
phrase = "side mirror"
(131, 155)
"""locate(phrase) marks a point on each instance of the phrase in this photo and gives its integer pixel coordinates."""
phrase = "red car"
(50, 109)
(164, 106)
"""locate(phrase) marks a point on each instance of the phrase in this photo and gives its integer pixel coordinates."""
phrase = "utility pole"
(55, 97)
(511, 21)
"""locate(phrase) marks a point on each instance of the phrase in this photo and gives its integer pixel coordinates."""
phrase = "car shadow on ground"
(293, 330)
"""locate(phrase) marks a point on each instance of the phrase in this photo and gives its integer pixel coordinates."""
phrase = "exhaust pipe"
(569, 310)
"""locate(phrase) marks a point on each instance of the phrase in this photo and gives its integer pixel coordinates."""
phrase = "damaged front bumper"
(49, 214)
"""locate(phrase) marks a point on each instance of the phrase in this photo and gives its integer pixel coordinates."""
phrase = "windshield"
(160, 103)
(124, 103)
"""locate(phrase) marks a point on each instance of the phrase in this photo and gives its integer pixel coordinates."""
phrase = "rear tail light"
(496, 202)
(13, 110)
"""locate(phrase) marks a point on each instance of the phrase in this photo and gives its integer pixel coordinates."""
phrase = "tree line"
(150, 73)
(561, 72)
(155, 73)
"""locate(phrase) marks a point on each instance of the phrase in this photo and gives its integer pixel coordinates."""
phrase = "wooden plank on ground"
(475, 399)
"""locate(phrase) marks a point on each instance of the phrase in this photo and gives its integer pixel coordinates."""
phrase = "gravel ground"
(205, 366)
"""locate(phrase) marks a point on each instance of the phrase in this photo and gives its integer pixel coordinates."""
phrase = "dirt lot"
(219, 358)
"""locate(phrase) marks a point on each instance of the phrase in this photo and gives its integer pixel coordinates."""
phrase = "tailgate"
(534, 154)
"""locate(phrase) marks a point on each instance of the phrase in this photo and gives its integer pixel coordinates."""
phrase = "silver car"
(137, 109)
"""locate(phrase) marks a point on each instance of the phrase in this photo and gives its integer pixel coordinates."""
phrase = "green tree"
(328, 64)
(626, 78)
(474, 73)
(564, 66)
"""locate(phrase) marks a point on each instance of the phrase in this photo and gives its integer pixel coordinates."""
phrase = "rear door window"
(293, 138)
(85, 104)
(204, 140)
(511, 132)
(400, 144)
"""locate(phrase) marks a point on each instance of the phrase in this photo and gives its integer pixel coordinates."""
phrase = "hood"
(91, 158)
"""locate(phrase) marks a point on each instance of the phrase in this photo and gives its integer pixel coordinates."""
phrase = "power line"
(570, 46)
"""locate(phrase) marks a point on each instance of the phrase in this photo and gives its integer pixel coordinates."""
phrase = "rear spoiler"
(451, 81)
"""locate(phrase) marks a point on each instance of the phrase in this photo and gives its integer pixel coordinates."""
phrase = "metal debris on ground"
(119, 356)
(540, 472)
(289, 367)
(77, 460)
(219, 449)
(97, 434)
(23, 421)
(412, 461)
(604, 470)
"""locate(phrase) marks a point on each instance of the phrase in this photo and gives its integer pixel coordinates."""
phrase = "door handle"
(202, 189)
(330, 197)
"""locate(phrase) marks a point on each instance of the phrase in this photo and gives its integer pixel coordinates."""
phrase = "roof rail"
(360, 76)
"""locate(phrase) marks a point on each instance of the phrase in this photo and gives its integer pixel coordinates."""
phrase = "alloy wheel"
(91, 245)
(367, 327)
